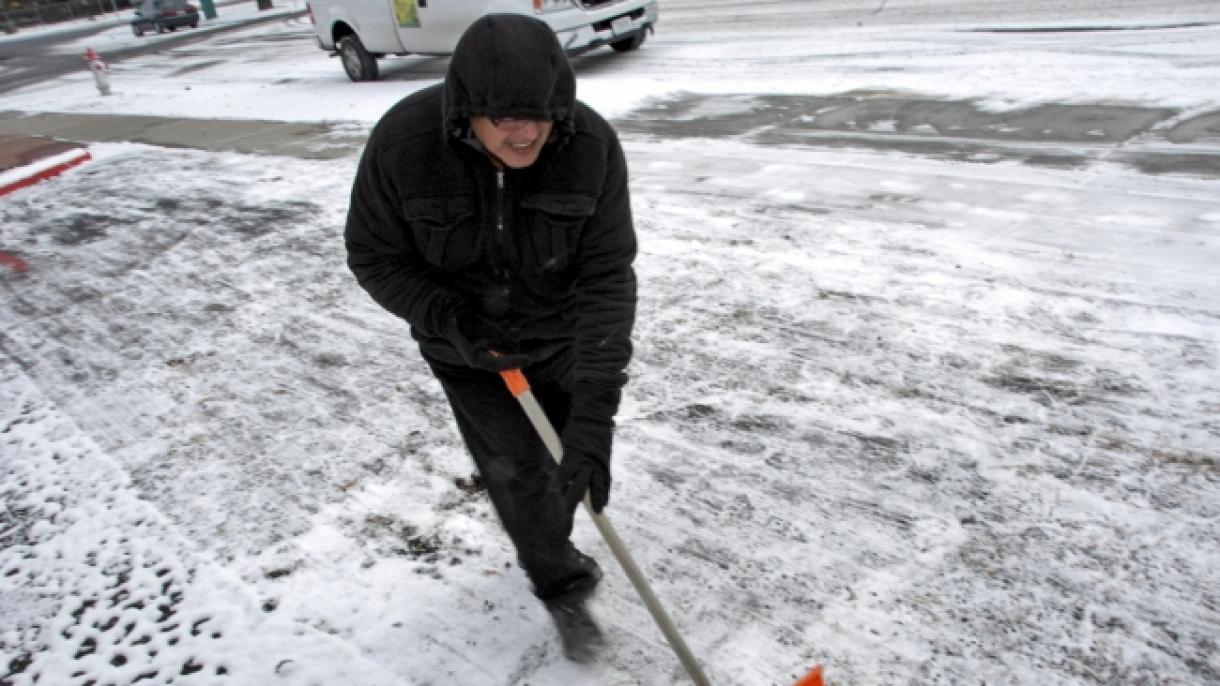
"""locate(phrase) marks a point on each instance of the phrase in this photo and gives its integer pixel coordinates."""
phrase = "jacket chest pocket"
(552, 225)
(445, 230)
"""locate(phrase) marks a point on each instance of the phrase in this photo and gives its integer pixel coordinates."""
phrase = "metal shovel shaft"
(520, 389)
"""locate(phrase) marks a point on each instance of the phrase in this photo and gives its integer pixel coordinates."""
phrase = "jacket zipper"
(500, 202)
(501, 241)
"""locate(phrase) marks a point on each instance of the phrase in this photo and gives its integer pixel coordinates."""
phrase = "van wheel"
(357, 62)
(629, 44)
(137, 29)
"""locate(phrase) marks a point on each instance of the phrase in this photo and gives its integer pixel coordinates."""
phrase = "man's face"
(515, 142)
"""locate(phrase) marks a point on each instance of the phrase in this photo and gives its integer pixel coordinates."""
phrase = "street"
(27, 60)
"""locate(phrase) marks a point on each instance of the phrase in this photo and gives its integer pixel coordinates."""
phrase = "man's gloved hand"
(475, 338)
(586, 464)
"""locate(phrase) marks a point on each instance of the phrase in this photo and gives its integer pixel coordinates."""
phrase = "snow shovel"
(519, 386)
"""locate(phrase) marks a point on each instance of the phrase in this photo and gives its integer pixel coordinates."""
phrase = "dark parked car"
(163, 15)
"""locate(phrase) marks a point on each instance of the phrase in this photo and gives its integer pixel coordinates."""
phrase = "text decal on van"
(406, 13)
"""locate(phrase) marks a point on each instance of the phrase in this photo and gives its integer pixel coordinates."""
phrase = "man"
(491, 212)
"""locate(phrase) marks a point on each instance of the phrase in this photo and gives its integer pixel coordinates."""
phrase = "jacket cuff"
(590, 426)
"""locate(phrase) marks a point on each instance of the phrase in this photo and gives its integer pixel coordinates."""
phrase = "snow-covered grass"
(923, 418)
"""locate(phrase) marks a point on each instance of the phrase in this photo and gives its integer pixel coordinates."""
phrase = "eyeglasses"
(513, 124)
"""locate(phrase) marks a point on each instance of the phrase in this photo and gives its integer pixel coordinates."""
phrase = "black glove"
(475, 339)
(586, 464)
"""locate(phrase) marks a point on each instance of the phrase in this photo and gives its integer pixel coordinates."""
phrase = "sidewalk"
(34, 147)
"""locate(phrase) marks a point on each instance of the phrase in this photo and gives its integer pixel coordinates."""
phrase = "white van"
(360, 31)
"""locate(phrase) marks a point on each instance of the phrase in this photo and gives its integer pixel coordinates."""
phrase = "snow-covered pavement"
(102, 587)
(924, 405)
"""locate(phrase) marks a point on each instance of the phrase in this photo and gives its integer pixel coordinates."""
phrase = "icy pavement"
(918, 419)
(926, 404)
(97, 585)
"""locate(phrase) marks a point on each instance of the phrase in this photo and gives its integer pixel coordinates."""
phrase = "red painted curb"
(13, 262)
(47, 173)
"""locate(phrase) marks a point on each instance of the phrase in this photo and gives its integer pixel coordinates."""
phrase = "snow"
(101, 582)
(920, 414)
(279, 73)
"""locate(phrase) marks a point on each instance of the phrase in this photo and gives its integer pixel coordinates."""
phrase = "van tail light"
(309, 12)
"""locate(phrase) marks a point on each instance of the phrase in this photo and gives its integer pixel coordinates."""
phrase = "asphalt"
(32, 59)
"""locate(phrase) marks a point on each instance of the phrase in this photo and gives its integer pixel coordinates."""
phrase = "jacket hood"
(509, 65)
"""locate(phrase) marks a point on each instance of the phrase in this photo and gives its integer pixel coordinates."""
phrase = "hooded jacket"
(544, 251)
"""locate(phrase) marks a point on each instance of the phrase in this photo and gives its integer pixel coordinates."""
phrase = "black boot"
(565, 600)
(582, 639)
(579, 574)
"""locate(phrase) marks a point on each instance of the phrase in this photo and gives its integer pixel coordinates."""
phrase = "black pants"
(516, 468)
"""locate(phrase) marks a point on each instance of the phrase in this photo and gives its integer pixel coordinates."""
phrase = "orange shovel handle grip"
(516, 381)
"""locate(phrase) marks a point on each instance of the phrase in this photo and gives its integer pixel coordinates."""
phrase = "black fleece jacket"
(544, 251)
